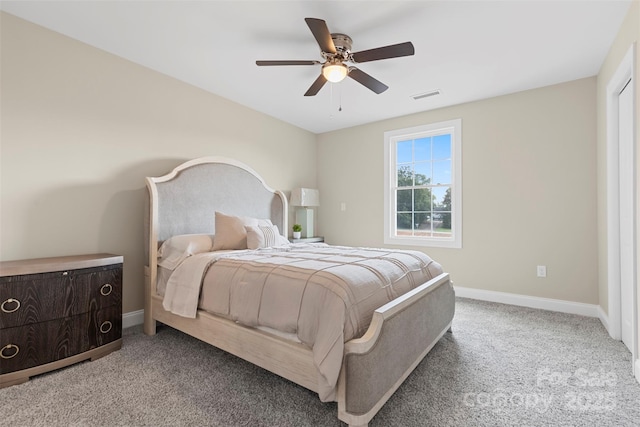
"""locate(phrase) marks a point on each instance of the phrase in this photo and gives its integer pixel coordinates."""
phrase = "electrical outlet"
(542, 271)
(343, 206)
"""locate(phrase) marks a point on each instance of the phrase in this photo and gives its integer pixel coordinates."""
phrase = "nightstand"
(317, 239)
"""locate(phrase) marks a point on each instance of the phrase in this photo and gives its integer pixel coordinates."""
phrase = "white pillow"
(264, 236)
(230, 231)
(177, 248)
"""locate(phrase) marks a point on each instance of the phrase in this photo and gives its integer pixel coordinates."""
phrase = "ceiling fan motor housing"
(342, 42)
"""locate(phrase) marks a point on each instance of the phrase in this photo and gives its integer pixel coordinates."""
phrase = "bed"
(377, 354)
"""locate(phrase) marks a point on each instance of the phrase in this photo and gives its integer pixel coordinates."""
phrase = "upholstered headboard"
(185, 200)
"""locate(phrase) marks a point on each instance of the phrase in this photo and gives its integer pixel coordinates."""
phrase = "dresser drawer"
(35, 298)
(39, 343)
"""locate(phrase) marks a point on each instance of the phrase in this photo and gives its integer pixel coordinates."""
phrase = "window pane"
(442, 146)
(442, 225)
(405, 176)
(442, 198)
(442, 172)
(422, 199)
(422, 149)
(404, 151)
(421, 220)
(404, 224)
(404, 201)
(423, 173)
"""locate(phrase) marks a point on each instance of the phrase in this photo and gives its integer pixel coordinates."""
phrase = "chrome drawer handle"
(9, 347)
(105, 327)
(106, 289)
(10, 301)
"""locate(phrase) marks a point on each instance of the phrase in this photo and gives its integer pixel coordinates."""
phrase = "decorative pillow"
(264, 236)
(177, 248)
(230, 231)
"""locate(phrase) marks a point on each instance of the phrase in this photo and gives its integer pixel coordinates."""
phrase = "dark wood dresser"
(58, 311)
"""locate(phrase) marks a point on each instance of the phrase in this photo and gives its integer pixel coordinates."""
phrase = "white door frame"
(620, 78)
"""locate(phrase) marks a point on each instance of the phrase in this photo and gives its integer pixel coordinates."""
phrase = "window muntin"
(422, 194)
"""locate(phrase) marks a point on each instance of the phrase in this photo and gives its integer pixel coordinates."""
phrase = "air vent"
(426, 94)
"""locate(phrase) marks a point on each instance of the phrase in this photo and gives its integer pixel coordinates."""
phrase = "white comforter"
(326, 295)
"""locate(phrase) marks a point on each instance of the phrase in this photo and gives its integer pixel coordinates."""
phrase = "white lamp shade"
(334, 72)
(305, 197)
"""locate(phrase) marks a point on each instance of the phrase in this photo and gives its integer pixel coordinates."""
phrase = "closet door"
(627, 212)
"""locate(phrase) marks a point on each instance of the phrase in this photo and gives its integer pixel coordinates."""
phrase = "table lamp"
(305, 199)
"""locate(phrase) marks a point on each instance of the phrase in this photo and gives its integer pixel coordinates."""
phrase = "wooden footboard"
(400, 335)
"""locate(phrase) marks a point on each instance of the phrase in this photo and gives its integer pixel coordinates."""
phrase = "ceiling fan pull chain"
(340, 96)
(331, 100)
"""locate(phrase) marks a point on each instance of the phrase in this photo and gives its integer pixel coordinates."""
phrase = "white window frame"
(454, 127)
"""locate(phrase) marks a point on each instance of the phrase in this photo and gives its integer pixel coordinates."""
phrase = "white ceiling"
(469, 50)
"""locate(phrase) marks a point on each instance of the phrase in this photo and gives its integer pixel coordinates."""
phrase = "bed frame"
(401, 332)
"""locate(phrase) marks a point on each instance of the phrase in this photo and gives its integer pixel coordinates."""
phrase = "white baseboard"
(562, 306)
(637, 370)
(132, 318)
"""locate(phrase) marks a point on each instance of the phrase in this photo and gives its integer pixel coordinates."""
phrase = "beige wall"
(529, 180)
(81, 128)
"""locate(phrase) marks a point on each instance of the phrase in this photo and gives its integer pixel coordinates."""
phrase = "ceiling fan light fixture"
(335, 72)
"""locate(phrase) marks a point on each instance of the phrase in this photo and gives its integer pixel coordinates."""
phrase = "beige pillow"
(230, 231)
(264, 236)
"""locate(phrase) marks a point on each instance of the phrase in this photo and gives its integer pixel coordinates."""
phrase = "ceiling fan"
(335, 49)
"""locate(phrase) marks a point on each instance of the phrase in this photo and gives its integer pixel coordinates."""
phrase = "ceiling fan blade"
(316, 86)
(268, 63)
(366, 80)
(386, 52)
(321, 32)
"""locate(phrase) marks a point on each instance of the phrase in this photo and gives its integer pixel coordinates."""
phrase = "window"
(423, 185)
